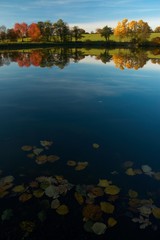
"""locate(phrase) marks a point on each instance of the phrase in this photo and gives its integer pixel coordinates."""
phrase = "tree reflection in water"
(61, 57)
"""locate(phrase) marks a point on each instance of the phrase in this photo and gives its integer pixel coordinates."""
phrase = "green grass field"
(97, 37)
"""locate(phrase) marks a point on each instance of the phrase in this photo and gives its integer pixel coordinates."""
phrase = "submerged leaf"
(132, 193)
(7, 214)
(92, 212)
(42, 216)
(27, 226)
(81, 166)
(112, 222)
(46, 143)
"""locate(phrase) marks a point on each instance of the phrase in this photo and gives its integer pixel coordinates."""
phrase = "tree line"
(133, 31)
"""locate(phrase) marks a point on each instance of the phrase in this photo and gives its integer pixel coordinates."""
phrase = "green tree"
(106, 32)
(77, 33)
(46, 29)
(157, 29)
(61, 30)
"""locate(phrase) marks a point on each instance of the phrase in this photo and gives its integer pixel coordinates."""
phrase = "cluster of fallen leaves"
(99, 203)
(36, 152)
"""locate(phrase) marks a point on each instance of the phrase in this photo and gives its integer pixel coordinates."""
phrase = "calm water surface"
(83, 103)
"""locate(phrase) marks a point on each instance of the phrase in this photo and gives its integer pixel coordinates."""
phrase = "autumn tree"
(138, 31)
(21, 29)
(61, 30)
(77, 33)
(121, 30)
(34, 32)
(106, 32)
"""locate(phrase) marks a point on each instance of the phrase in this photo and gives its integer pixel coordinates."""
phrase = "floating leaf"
(95, 145)
(107, 207)
(46, 143)
(25, 197)
(112, 190)
(26, 148)
(92, 212)
(130, 172)
(62, 210)
(79, 198)
(99, 228)
(7, 214)
(52, 191)
(18, 188)
(41, 159)
(132, 193)
(111, 222)
(81, 166)
(156, 212)
(53, 158)
(97, 191)
(128, 164)
(146, 168)
(71, 163)
(37, 151)
(38, 193)
(7, 179)
(104, 183)
(55, 204)
(145, 211)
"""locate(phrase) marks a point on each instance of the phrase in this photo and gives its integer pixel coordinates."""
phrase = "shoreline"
(90, 44)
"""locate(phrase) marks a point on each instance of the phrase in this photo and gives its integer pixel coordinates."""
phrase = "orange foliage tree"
(34, 32)
(21, 29)
(135, 31)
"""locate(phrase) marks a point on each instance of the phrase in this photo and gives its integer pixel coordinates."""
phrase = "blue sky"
(89, 14)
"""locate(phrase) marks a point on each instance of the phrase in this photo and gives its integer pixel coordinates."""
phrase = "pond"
(80, 144)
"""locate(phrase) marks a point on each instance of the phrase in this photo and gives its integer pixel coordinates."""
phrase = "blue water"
(84, 103)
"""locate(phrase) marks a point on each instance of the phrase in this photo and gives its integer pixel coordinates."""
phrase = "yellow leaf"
(107, 207)
(111, 222)
(38, 193)
(79, 198)
(104, 183)
(18, 189)
(25, 197)
(156, 212)
(130, 172)
(62, 210)
(112, 190)
(53, 158)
